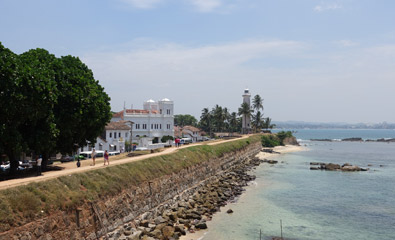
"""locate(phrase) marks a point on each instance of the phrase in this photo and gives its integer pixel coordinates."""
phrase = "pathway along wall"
(93, 220)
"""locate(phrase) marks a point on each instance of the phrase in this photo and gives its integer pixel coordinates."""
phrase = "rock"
(229, 211)
(156, 234)
(315, 168)
(352, 139)
(180, 228)
(346, 165)
(351, 168)
(167, 232)
(270, 161)
(144, 223)
(127, 233)
(160, 220)
(332, 166)
(145, 237)
(201, 225)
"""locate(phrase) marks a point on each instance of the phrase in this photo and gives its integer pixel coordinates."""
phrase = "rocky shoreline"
(189, 213)
(336, 167)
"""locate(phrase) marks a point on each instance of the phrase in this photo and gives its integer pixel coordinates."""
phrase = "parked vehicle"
(141, 149)
(88, 154)
(114, 153)
(66, 158)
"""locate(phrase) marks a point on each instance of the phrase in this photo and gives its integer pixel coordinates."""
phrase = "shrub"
(283, 135)
(270, 141)
(166, 138)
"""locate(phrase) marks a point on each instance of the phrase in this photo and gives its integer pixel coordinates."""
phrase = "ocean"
(320, 205)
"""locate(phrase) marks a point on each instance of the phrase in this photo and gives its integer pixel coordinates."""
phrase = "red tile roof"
(120, 125)
(133, 111)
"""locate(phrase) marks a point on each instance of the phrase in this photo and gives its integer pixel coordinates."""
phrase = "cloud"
(203, 6)
(206, 5)
(143, 4)
(327, 7)
(346, 43)
(281, 71)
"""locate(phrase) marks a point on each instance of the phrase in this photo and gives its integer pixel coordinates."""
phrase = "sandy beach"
(262, 155)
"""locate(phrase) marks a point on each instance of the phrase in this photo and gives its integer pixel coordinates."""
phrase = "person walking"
(106, 158)
(94, 156)
(39, 161)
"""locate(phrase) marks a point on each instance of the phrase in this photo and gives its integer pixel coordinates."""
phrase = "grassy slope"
(23, 204)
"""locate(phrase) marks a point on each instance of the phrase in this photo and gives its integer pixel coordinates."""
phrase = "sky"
(310, 60)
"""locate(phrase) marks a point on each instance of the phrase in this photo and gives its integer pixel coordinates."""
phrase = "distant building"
(154, 121)
(113, 138)
(194, 133)
(246, 120)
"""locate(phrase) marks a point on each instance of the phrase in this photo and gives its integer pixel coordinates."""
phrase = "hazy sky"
(310, 60)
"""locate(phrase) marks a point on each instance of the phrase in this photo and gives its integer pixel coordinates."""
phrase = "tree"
(233, 125)
(257, 121)
(205, 122)
(218, 118)
(184, 120)
(257, 103)
(48, 104)
(37, 72)
(83, 108)
(245, 111)
(11, 115)
(267, 124)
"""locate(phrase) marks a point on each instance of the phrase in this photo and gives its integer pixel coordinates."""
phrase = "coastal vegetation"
(220, 119)
(24, 204)
(48, 104)
(273, 140)
(184, 120)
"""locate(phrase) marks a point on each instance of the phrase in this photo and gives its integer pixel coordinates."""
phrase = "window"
(152, 126)
(115, 134)
(144, 126)
(126, 135)
(168, 111)
(110, 135)
(137, 126)
(119, 135)
(160, 126)
(161, 111)
(168, 126)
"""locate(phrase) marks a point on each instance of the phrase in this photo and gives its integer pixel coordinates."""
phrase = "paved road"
(70, 168)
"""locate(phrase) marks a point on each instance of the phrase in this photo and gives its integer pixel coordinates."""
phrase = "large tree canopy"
(48, 104)
(184, 120)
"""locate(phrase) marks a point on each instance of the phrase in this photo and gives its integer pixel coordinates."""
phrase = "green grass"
(24, 204)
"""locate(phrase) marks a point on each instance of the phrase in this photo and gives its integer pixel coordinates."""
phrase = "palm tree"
(226, 116)
(206, 120)
(245, 111)
(268, 123)
(218, 117)
(257, 120)
(233, 122)
(257, 103)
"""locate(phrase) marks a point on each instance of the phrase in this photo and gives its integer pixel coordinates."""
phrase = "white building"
(246, 120)
(154, 121)
(113, 138)
(195, 134)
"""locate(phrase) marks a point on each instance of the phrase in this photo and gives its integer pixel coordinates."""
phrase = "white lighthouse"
(246, 119)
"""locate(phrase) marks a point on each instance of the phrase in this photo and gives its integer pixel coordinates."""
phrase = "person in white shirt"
(39, 161)
(94, 156)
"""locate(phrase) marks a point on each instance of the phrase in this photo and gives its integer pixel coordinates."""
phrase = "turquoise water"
(317, 204)
(307, 134)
